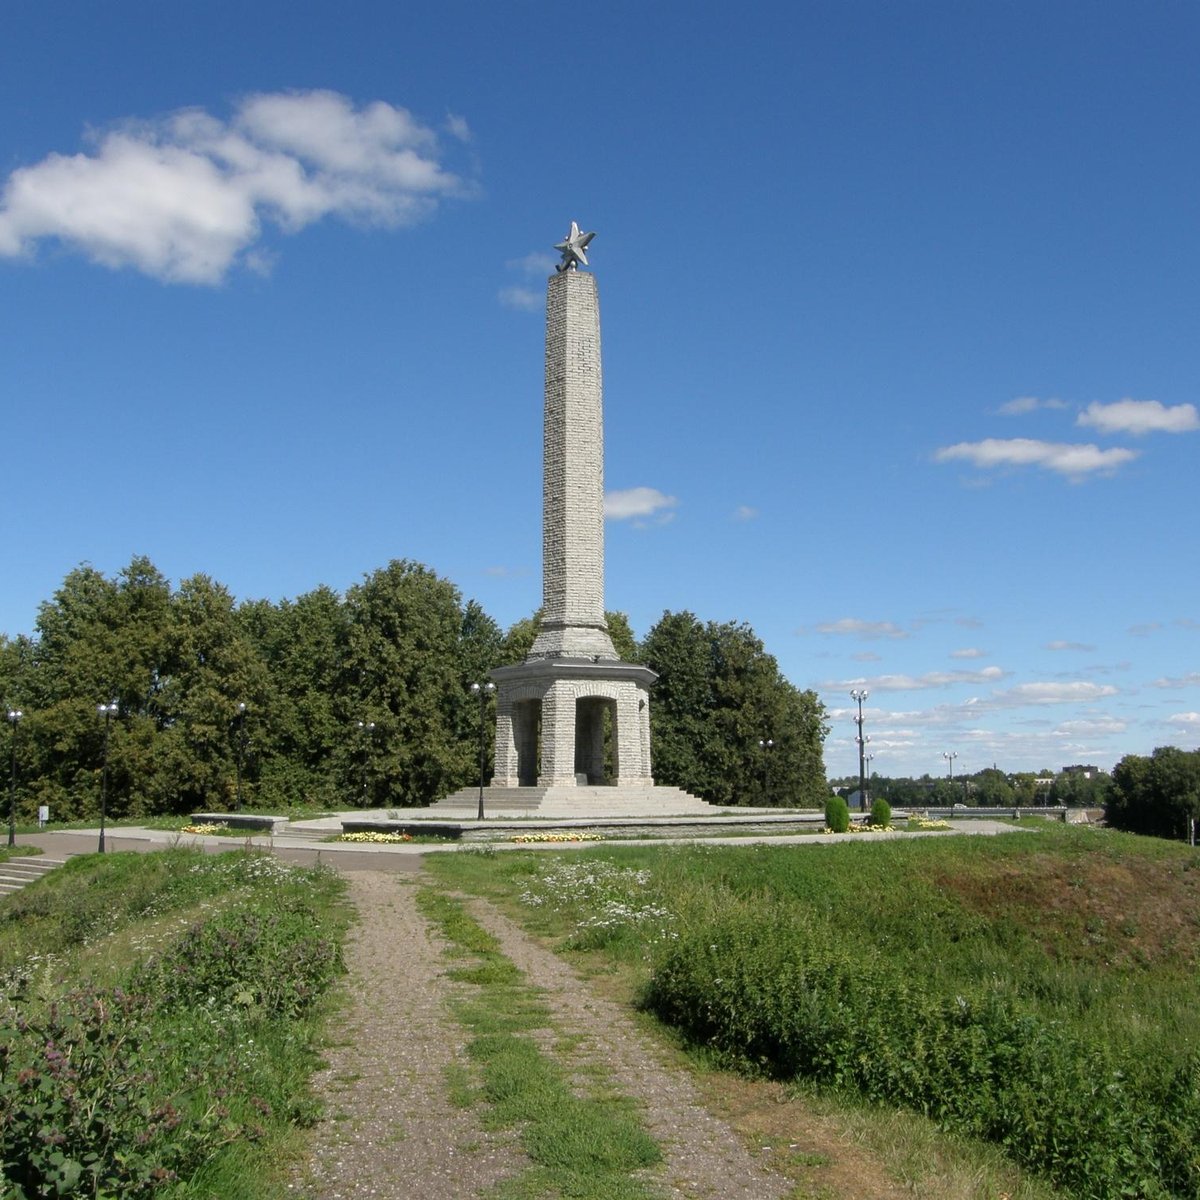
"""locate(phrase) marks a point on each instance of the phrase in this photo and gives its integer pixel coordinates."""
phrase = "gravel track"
(390, 1129)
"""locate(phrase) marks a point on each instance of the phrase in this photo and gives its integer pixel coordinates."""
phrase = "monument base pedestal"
(583, 802)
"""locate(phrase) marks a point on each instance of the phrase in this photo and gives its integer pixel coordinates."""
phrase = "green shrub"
(881, 812)
(793, 999)
(837, 814)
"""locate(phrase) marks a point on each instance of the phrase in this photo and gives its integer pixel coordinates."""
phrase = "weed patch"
(194, 1062)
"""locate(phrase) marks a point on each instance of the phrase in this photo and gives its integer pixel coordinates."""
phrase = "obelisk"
(573, 720)
(573, 623)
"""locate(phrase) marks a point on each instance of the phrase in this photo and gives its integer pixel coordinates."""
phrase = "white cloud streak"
(1027, 404)
(914, 683)
(522, 298)
(638, 504)
(183, 198)
(870, 630)
(1140, 417)
(1073, 461)
(1192, 679)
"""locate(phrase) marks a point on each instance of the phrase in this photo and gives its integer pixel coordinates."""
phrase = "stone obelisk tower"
(573, 624)
(572, 720)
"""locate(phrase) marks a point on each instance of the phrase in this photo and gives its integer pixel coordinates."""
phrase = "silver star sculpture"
(574, 249)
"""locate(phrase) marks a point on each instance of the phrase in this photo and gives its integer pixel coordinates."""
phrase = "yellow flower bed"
(557, 837)
(210, 828)
(378, 839)
(923, 823)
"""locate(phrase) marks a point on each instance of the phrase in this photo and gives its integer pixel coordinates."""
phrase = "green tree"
(1158, 795)
(407, 673)
(719, 695)
(303, 644)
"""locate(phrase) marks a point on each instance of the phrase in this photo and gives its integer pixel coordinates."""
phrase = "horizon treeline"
(354, 699)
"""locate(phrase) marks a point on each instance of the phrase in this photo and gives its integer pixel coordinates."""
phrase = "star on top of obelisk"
(573, 249)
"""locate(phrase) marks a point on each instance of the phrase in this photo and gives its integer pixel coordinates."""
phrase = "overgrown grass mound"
(1001, 1030)
(188, 1051)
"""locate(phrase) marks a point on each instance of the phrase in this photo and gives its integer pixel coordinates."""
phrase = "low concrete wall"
(240, 821)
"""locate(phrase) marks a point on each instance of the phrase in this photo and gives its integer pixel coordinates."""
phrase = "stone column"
(573, 622)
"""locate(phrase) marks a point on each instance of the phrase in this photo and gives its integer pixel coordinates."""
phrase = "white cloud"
(1140, 416)
(1053, 693)
(912, 683)
(1190, 720)
(853, 627)
(745, 512)
(1092, 727)
(1146, 628)
(1027, 404)
(1073, 461)
(457, 127)
(1061, 645)
(183, 197)
(639, 503)
(535, 263)
(968, 652)
(523, 298)
(1192, 679)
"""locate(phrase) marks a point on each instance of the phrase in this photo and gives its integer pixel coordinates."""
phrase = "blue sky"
(900, 307)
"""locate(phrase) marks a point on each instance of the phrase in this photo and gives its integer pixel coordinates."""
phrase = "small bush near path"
(837, 815)
(188, 1063)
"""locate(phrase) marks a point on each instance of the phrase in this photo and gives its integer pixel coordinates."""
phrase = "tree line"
(991, 788)
(361, 698)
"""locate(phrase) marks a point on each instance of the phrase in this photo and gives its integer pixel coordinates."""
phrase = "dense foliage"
(355, 699)
(170, 1058)
(1159, 795)
(719, 701)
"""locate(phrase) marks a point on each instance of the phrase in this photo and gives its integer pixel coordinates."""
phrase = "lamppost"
(859, 695)
(766, 745)
(240, 749)
(950, 756)
(366, 728)
(870, 760)
(14, 719)
(107, 711)
(482, 690)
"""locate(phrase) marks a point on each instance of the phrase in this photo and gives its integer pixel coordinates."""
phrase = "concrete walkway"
(302, 842)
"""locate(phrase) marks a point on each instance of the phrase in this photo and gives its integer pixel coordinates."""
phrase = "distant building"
(1086, 770)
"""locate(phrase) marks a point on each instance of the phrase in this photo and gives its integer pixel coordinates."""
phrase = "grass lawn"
(1034, 994)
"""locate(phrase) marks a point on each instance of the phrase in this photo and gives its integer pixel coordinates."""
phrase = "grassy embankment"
(1035, 992)
(158, 1017)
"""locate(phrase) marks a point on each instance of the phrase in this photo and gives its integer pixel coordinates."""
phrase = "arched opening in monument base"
(527, 734)
(595, 740)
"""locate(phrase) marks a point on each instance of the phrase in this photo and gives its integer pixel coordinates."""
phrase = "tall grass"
(157, 1021)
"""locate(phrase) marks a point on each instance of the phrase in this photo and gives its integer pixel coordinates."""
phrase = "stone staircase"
(581, 801)
(17, 872)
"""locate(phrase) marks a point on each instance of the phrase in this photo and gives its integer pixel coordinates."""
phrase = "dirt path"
(390, 1129)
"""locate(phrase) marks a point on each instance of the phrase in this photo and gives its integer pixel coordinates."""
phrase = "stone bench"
(251, 821)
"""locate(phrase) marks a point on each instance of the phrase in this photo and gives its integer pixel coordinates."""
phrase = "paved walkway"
(303, 843)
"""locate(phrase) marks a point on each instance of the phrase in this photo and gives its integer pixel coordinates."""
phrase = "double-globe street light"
(240, 750)
(950, 756)
(766, 745)
(482, 690)
(859, 695)
(365, 729)
(107, 711)
(14, 719)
